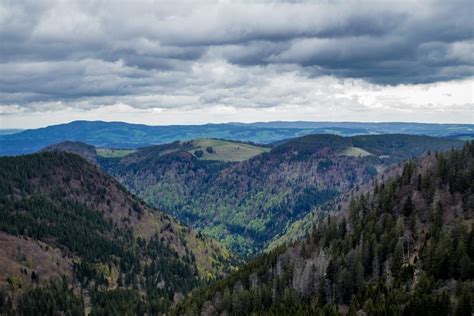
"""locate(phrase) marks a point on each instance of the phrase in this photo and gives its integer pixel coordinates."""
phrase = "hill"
(354, 128)
(125, 135)
(246, 204)
(404, 248)
(72, 238)
(86, 151)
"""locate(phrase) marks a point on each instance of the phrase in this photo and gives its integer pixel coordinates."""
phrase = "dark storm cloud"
(73, 50)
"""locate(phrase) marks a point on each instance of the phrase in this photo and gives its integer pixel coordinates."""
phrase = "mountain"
(404, 248)
(430, 129)
(72, 238)
(125, 135)
(248, 197)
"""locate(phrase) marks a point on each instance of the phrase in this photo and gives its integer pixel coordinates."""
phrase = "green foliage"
(118, 302)
(372, 258)
(57, 298)
(62, 200)
(249, 203)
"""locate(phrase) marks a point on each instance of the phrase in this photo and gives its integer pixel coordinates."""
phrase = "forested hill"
(405, 248)
(86, 151)
(72, 238)
(247, 203)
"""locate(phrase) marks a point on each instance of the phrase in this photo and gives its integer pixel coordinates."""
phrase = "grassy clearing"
(114, 153)
(355, 152)
(224, 150)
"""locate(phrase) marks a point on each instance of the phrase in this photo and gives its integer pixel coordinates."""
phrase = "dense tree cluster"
(198, 153)
(406, 248)
(65, 202)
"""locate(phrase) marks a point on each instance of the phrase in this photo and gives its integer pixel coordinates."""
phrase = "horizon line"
(242, 123)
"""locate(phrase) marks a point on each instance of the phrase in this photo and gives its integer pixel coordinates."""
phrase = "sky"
(194, 62)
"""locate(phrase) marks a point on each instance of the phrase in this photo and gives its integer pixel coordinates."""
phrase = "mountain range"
(126, 135)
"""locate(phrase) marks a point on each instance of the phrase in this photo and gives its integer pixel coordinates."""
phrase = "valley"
(214, 225)
(236, 158)
(246, 203)
(407, 242)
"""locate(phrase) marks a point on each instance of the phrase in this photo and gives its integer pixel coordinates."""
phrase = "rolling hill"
(403, 248)
(125, 135)
(72, 238)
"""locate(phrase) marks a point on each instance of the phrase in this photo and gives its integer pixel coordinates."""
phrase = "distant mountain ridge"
(126, 135)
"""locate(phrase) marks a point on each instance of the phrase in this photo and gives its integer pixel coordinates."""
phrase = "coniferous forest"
(404, 248)
(70, 232)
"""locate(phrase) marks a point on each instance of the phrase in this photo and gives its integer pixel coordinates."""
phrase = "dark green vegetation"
(247, 204)
(73, 237)
(405, 248)
(124, 135)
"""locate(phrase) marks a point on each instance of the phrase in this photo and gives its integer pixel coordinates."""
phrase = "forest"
(236, 158)
(76, 241)
(247, 204)
(112, 246)
(405, 248)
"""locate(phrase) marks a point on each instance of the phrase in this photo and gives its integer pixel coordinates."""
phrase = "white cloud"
(182, 62)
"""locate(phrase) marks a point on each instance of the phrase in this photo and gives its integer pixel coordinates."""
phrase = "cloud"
(147, 54)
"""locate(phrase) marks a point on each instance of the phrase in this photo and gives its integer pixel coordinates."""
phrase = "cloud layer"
(164, 56)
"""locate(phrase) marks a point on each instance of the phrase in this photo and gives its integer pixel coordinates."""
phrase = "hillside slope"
(246, 204)
(60, 216)
(406, 248)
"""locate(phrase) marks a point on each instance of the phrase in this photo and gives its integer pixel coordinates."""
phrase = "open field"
(224, 150)
(114, 153)
(356, 152)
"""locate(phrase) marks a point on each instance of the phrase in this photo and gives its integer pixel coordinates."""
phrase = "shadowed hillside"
(64, 221)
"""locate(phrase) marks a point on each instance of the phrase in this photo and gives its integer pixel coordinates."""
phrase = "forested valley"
(246, 204)
(391, 231)
(405, 248)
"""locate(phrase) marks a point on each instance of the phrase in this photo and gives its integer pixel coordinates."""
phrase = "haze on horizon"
(162, 63)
